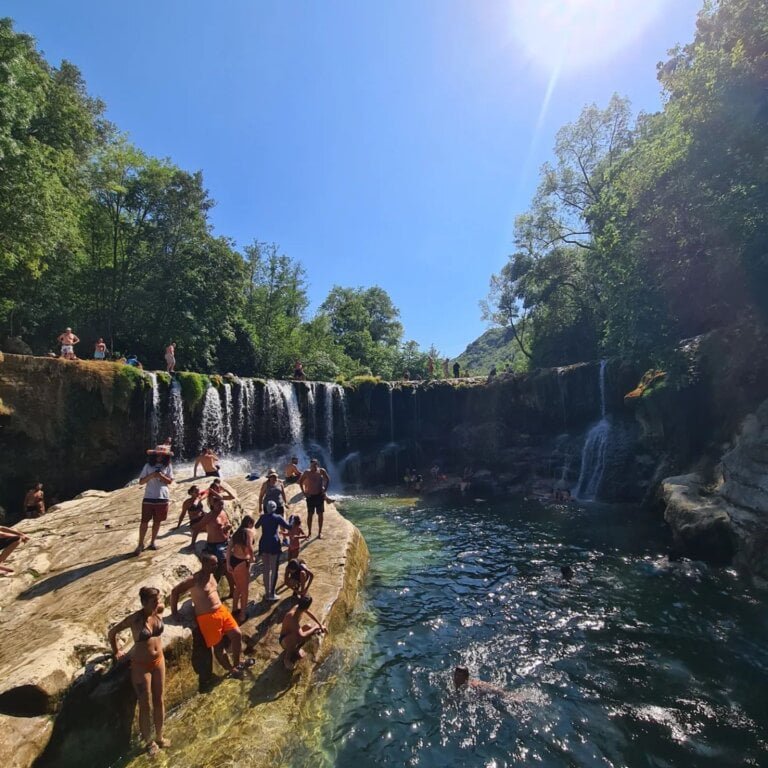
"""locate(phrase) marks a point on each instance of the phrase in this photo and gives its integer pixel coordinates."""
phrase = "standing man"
(100, 350)
(456, 370)
(209, 461)
(170, 357)
(68, 341)
(212, 616)
(218, 529)
(314, 483)
(156, 476)
(445, 368)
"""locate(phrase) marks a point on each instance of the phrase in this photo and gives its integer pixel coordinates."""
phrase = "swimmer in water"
(566, 572)
(461, 680)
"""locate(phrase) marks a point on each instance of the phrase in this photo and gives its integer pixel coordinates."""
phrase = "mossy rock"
(127, 380)
(193, 388)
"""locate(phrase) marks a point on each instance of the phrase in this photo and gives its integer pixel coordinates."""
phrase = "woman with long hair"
(239, 559)
(147, 664)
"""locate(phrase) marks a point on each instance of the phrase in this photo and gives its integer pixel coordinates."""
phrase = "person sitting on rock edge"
(298, 577)
(213, 618)
(209, 461)
(34, 501)
(294, 634)
(147, 664)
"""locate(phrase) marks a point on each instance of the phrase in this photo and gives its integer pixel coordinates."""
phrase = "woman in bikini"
(147, 664)
(193, 506)
(239, 559)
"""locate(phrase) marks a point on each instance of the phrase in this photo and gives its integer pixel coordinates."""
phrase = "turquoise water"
(638, 662)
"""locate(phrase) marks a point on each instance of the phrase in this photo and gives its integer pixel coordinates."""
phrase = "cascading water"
(227, 419)
(295, 427)
(328, 403)
(212, 422)
(311, 415)
(595, 449)
(274, 410)
(391, 415)
(250, 418)
(154, 414)
(343, 409)
(176, 418)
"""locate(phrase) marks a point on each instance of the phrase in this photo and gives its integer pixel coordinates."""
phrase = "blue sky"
(389, 143)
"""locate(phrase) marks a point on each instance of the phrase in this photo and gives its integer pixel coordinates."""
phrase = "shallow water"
(638, 662)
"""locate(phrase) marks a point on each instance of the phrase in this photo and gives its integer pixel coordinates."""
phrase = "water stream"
(595, 449)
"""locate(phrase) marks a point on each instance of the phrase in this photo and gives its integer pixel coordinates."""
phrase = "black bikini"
(235, 561)
(145, 633)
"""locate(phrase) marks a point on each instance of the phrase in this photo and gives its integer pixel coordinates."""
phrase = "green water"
(639, 662)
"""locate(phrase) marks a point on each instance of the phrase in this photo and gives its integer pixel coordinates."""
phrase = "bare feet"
(152, 749)
(163, 743)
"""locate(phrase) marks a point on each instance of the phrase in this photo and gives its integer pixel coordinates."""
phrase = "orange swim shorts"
(215, 625)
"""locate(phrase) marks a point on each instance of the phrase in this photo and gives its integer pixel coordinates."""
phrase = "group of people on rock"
(228, 553)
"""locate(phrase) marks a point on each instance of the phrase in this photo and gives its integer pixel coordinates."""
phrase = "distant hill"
(496, 346)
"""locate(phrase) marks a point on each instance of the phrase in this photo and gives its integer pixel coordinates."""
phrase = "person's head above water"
(460, 676)
(566, 572)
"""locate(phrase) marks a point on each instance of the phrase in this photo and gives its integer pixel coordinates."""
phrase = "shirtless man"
(10, 538)
(209, 461)
(170, 357)
(293, 634)
(218, 529)
(99, 350)
(34, 502)
(68, 341)
(314, 483)
(292, 471)
(212, 616)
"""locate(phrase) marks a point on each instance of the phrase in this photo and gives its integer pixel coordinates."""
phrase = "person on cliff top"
(209, 461)
(193, 507)
(298, 371)
(218, 529)
(292, 471)
(298, 578)
(213, 617)
(68, 341)
(294, 634)
(10, 538)
(34, 501)
(100, 350)
(156, 477)
(272, 490)
(456, 370)
(147, 665)
(314, 483)
(270, 546)
(170, 357)
(239, 558)
(445, 368)
(430, 367)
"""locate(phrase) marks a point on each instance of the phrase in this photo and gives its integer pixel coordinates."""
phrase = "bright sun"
(567, 35)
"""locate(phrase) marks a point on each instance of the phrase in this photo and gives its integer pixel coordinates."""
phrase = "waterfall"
(595, 449)
(227, 418)
(391, 415)
(239, 417)
(274, 410)
(343, 408)
(250, 414)
(311, 415)
(176, 418)
(212, 422)
(281, 400)
(561, 388)
(328, 403)
(154, 414)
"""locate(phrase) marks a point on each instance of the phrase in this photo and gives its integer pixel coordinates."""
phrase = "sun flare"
(568, 35)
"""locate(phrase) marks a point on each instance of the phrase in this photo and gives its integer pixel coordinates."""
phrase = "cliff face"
(68, 425)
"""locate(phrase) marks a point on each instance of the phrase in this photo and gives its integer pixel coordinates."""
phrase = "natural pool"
(638, 662)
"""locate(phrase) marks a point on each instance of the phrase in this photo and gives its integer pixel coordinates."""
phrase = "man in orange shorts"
(213, 617)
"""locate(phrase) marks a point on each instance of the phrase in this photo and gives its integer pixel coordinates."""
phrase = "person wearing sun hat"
(272, 490)
(156, 477)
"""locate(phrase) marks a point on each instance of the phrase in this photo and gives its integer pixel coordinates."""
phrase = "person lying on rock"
(213, 617)
(10, 538)
(298, 577)
(218, 529)
(293, 634)
(147, 664)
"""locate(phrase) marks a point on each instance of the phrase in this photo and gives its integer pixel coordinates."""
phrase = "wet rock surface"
(62, 702)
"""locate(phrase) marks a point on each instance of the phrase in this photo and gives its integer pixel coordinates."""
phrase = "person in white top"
(156, 476)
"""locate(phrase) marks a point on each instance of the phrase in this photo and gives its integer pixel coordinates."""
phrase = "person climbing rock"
(294, 634)
(147, 665)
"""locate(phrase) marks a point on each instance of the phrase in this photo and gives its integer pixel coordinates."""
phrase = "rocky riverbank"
(62, 702)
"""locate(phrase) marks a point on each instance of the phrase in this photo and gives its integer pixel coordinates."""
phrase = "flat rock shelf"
(64, 702)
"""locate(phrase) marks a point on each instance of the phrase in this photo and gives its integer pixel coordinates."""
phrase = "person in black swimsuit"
(147, 664)
(193, 506)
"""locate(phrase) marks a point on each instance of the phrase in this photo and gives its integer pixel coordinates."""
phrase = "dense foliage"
(97, 235)
(642, 233)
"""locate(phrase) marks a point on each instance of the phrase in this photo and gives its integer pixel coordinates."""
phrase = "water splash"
(227, 419)
(595, 450)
